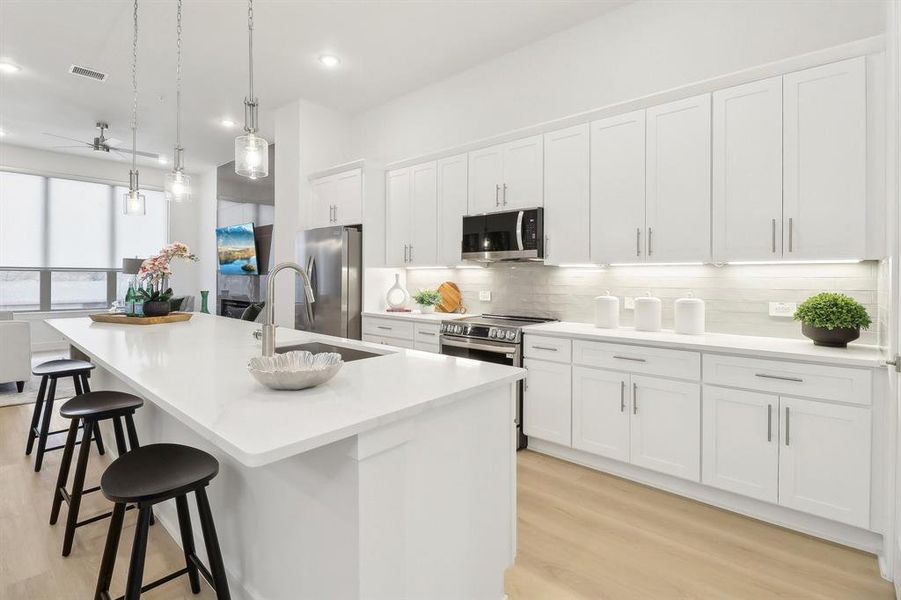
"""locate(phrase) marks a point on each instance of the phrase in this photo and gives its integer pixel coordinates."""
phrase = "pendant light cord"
(178, 78)
(250, 43)
(134, 87)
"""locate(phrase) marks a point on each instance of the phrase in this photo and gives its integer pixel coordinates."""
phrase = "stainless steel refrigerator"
(333, 259)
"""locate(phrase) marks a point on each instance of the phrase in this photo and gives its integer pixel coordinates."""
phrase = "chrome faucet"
(269, 321)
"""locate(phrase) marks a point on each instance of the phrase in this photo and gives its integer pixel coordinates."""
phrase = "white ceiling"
(387, 48)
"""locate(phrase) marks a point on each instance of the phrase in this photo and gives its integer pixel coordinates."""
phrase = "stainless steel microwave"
(512, 235)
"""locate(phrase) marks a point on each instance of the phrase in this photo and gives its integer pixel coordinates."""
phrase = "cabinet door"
(678, 181)
(666, 426)
(741, 442)
(566, 196)
(522, 185)
(452, 191)
(601, 412)
(618, 189)
(747, 172)
(349, 197)
(824, 460)
(323, 199)
(824, 133)
(486, 176)
(397, 216)
(424, 214)
(547, 401)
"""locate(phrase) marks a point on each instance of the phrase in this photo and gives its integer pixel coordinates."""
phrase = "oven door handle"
(511, 350)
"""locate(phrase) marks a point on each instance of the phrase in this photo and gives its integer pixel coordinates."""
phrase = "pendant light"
(134, 199)
(251, 150)
(178, 183)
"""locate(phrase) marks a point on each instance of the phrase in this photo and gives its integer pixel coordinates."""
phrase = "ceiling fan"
(101, 143)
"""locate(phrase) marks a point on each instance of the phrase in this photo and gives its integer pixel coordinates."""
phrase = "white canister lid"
(690, 299)
(647, 299)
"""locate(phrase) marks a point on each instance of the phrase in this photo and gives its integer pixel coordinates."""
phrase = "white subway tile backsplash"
(737, 296)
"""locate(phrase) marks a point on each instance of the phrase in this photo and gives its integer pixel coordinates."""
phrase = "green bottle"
(130, 298)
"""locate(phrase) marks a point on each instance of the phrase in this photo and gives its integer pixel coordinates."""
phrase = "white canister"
(689, 315)
(647, 313)
(606, 311)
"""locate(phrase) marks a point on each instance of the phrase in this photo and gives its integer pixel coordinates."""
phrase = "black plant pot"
(836, 338)
(157, 308)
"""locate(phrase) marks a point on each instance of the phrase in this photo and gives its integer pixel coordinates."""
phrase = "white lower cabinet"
(601, 407)
(824, 460)
(547, 401)
(741, 446)
(665, 428)
(403, 333)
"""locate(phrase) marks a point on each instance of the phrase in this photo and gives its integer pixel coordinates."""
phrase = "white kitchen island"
(396, 479)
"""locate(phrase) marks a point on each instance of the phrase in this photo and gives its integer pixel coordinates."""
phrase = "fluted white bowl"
(295, 370)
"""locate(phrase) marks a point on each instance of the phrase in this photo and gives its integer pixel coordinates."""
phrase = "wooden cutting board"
(121, 319)
(451, 298)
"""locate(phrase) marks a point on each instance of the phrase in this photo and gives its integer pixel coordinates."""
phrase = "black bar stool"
(87, 410)
(50, 371)
(148, 476)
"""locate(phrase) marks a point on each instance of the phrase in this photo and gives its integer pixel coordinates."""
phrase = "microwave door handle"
(519, 217)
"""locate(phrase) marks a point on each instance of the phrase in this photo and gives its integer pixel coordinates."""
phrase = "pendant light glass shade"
(178, 186)
(251, 156)
(134, 201)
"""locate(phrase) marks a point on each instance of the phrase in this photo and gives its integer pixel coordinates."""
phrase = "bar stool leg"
(187, 541)
(77, 487)
(45, 426)
(76, 379)
(211, 541)
(84, 382)
(108, 563)
(64, 465)
(36, 415)
(138, 553)
(121, 448)
(132, 432)
(82, 386)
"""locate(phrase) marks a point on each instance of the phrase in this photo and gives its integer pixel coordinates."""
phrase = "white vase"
(427, 309)
(397, 296)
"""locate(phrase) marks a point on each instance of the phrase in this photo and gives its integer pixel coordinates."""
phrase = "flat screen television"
(237, 249)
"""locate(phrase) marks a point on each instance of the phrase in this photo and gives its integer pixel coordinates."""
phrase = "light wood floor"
(582, 534)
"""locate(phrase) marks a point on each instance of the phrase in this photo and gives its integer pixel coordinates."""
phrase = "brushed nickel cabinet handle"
(427, 333)
(505, 194)
(787, 425)
(774, 236)
(622, 396)
(384, 327)
(638, 241)
(547, 245)
(549, 349)
(791, 234)
(634, 398)
(633, 359)
(650, 233)
(411, 252)
(779, 377)
(406, 253)
(769, 422)
(497, 194)
(336, 213)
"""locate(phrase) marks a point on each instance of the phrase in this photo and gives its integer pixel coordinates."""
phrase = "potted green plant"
(427, 300)
(831, 319)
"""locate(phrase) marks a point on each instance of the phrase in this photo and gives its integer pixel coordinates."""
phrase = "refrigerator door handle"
(311, 263)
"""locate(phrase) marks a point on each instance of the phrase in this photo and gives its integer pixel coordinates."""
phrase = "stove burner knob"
(511, 335)
(458, 329)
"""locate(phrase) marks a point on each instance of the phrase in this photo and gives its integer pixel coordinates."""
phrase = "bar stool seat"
(86, 411)
(50, 372)
(149, 475)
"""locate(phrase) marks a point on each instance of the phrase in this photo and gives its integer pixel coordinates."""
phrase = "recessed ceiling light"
(8, 67)
(162, 159)
(329, 60)
(227, 123)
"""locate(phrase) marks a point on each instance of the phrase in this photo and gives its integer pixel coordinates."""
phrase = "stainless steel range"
(491, 338)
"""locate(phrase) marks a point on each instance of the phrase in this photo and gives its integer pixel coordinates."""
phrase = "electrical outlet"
(629, 303)
(485, 296)
(783, 309)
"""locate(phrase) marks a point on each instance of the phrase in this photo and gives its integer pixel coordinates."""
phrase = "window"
(62, 241)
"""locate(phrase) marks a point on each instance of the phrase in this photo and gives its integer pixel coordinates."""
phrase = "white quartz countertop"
(196, 371)
(417, 316)
(855, 355)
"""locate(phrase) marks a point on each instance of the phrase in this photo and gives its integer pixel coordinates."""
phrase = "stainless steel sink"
(347, 354)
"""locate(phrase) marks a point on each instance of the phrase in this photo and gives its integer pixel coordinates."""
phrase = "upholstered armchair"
(15, 352)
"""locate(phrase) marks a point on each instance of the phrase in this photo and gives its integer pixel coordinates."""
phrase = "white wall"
(642, 48)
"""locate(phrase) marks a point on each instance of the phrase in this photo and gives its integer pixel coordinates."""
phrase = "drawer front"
(681, 364)
(378, 339)
(547, 348)
(426, 334)
(841, 384)
(388, 328)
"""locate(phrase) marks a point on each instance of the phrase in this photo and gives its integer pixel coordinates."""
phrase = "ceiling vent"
(86, 72)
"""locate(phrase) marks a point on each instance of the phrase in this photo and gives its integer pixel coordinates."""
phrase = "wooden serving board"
(451, 298)
(174, 317)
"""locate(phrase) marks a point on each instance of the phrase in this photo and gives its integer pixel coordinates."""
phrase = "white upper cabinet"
(678, 181)
(618, 189)
(423, 211)
(523, 174)
(398, 191)
(486, 176)
(741, 442)
(452, 206)
(601, 409)
(747, 172)
(824, 461)
(506, 176)
(566, 196)
(337, 199)
(824, 136)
